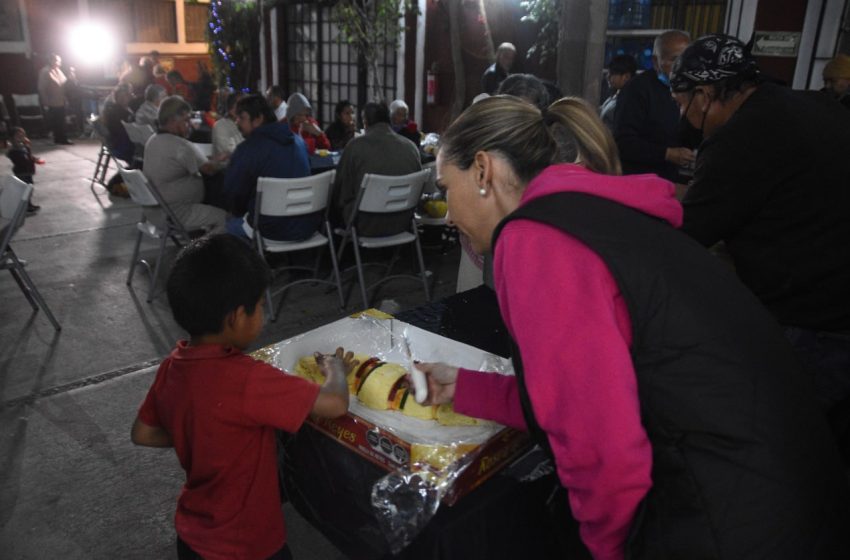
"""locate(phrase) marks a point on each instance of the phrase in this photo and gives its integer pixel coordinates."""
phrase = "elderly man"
(771, 181)
(381, 151)
(270, 149)
(51, 92)
(646, 118)
(174, 166)
(836, 78)
(401, 123)
(149, 110)
(499, 70)
(621, 69)
(276, 98)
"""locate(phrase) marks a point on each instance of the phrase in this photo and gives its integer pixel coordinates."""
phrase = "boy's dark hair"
(232, 99)
(256, 105)
(277, 91)
(525, 86)
(340, 107)
(211, 278)
(623, 64)
(374, 113)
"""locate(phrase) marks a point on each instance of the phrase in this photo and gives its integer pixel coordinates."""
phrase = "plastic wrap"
(424, 457)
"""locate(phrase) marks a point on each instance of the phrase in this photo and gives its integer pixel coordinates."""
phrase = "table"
(505, 518)
(320, 164)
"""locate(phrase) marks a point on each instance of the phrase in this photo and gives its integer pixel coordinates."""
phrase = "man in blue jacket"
(269, 150)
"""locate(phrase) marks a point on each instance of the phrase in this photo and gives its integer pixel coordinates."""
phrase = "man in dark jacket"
(646, 119)
(269, 150)
(499, 70)
(771, 181)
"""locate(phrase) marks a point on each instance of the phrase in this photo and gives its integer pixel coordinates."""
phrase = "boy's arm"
(150, 436)
(332, 400)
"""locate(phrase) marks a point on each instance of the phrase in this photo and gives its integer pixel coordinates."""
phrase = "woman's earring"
(482, 191)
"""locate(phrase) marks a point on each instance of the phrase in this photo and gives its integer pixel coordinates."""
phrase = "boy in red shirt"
(219, 408)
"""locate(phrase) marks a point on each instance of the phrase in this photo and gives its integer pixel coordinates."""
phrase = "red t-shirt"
(221, 408)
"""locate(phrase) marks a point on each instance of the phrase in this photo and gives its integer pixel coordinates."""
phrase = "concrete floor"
(71, 483)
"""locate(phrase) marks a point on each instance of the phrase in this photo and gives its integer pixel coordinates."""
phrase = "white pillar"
(400, 56)
(581, 48)
(181, 22)
(263, 70)
(420, 61)
(275, 70)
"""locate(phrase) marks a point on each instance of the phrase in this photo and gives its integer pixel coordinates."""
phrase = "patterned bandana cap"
(710, 59)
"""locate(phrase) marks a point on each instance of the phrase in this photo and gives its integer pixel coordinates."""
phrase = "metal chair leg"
(33, 290)
(335, 265)
(135, 259)
(155, 276)
(422, 271)
(17, 276)
(355, 244)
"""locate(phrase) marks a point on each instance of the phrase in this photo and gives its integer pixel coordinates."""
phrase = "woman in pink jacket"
(678, 419)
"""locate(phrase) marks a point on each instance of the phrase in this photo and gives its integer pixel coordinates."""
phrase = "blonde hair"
(531, 140)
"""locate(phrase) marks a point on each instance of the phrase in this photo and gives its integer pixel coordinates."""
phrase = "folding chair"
(28, 112)
(290, 198)
(13, 206)
(103, 156)
(382, 194)
(143, 193)
(138, 134)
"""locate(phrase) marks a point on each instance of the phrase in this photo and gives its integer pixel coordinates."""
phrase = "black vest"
(743, 464)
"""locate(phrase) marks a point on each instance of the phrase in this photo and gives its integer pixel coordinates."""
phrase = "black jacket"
(646, 123)
(743, 463)
(774, 184)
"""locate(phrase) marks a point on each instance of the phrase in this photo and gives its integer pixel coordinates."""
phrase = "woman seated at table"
(401, 123)
(341, 131)
(680, 421)
(300, 120)
(174, 166)
(225, 134)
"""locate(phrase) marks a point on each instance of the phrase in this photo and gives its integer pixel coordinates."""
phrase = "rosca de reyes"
(382, 386)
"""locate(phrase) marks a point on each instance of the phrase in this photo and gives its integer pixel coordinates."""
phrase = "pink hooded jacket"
(566, 314)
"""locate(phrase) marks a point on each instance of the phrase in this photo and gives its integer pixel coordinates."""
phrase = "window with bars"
(633, 24)
(324, 67)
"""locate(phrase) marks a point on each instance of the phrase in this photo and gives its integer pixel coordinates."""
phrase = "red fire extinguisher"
(431, 88)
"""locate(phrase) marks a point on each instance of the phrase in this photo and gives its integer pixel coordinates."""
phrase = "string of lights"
(216, 28)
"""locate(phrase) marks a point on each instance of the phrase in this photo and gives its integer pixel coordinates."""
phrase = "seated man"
(277, 100)
(300, 120)
(115, 110)
(270, 149)
(225, 133)
(401, 123)
(499, 70)
(381, 151)
(527, 86)
(173, 165)
(147, 113)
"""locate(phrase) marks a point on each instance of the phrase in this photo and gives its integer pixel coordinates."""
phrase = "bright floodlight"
(92, 43)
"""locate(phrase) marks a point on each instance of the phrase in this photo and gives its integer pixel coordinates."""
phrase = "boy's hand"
(346, 358)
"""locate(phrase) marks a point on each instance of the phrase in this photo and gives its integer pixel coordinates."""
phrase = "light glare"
(92, 43)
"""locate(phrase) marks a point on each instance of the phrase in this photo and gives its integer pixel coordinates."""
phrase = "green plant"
(547, 14)
(233, 27)
(370, 26)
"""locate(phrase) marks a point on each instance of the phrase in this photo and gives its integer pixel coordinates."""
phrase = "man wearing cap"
(646, 119)
(771, 181)
(836, 78)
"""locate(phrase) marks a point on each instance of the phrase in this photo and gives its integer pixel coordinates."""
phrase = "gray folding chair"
(290, 198)
(383, 194)
(14, 197)
(143, 193)
(28, 112)
(138, 135)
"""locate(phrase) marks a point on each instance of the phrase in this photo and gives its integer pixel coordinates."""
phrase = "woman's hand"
(441, 382)
(310, 128)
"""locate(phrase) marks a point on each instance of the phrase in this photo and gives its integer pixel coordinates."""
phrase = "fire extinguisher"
(431, 88)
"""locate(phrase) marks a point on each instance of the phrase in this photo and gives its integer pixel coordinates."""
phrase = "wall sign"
(776, 43)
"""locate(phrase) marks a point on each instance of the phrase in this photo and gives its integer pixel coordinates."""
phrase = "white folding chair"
(205, 150)
(143, 193)
(28, 112)
(290, 198)
(14, 197)
(138, 134)
(384, 194)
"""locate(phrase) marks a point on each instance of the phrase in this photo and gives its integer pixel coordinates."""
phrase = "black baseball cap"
(710, 59)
